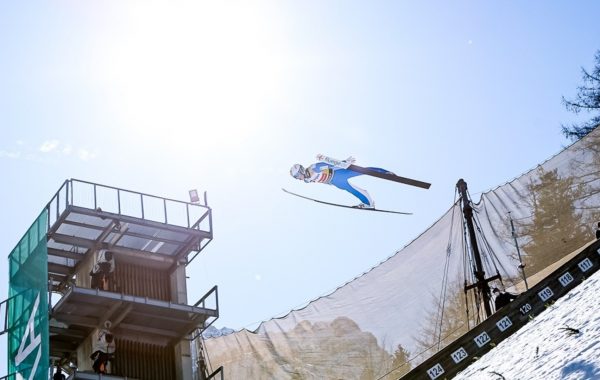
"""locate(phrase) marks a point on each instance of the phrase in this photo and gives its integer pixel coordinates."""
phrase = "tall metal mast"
(482, 282)
(521, 265)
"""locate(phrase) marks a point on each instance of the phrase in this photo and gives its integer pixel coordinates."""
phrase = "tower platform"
(116, 283)
(84, 217)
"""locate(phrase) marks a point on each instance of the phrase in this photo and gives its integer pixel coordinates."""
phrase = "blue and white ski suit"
(323, 172)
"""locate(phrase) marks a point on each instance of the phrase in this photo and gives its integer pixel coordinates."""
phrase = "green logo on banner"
(30, 341)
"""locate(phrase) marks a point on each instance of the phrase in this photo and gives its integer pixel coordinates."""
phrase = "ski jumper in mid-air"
(336, 173)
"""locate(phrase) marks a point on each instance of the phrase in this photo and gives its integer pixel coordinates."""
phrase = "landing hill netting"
(399, 313)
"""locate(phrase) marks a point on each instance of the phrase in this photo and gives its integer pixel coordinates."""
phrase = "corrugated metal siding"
(143, 361)
(140, 281)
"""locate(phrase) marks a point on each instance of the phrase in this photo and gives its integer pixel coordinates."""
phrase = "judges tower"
(142, 244)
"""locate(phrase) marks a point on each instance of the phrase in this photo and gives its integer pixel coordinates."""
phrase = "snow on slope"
(544, 349)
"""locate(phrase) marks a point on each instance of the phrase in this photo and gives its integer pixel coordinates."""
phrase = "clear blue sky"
(163, 97)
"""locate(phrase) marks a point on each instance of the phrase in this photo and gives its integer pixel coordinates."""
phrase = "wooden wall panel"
(143, 361)
(140, 281)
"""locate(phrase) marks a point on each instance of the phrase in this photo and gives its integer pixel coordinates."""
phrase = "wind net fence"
(402, 311)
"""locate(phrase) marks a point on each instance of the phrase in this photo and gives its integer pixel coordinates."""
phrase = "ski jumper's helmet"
(297, 171)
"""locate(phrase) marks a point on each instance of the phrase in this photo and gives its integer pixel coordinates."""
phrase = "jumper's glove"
(350, 160)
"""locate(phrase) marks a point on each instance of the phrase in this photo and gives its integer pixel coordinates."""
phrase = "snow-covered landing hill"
(546, 348)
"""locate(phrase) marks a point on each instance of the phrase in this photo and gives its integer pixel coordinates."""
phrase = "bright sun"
(175, 70)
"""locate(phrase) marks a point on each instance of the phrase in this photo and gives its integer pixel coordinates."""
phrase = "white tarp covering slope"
(353, 332)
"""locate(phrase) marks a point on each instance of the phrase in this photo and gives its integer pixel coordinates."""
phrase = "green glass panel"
(27, 320)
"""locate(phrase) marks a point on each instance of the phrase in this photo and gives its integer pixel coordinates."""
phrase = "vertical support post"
(119, 200)
(165, 208)
(209, 216)
(57, 207)
(482, 285)
(50, 295)
(67, 195)
(5, 328)
(183, 364)
(187, 212)
(95, 199)
(521, 265)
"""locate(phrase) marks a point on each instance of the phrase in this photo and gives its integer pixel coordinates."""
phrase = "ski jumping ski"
(347, 164)
(346, 206)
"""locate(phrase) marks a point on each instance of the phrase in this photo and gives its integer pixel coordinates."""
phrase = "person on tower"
(103, 270)
(103, 348)
(58, 374)
(336, 173)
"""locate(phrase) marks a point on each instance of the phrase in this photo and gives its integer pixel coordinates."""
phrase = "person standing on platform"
(103, 270)
(103, 348)
(58, 375)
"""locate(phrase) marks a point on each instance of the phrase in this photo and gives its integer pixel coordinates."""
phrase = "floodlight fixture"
(194, 198)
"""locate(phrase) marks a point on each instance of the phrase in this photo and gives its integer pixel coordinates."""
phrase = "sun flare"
(178, 70)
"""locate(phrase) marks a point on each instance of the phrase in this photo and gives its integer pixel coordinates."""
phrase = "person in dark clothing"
(102, 271)
(58, 375)
(598, 232)
(103, 349)
(502, 298)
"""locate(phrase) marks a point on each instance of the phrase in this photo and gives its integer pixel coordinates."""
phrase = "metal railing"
(94, 196)
(12, 376)
(4, 315)
(202, 303)
(219, 371)
(4, 309)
